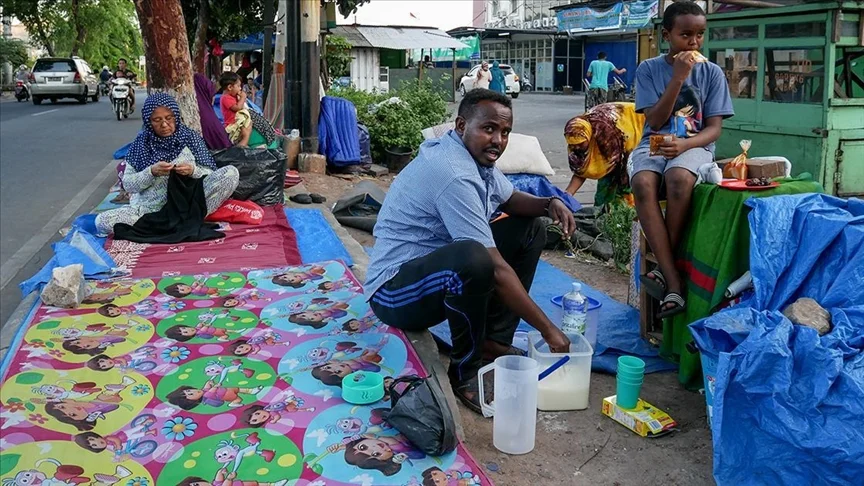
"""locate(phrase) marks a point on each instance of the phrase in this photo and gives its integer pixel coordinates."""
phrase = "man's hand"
(674, 148)
(557, 340)
(184, 169)
(562, 216)
(161, 169)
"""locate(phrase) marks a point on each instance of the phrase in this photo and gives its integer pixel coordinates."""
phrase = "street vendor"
(437, 256)
(598, 145)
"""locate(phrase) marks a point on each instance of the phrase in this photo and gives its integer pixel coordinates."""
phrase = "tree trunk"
(166, 46)
(199, 48)
(80, 31)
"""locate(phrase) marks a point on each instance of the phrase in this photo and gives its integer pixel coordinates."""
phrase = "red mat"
(272, 243)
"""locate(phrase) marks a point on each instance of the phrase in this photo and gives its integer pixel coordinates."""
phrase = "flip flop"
(317, 198)
(655, 287)
(678, 307)
(468, 386)
(301, 199)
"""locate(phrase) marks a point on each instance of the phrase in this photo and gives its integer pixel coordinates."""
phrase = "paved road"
(49, 154)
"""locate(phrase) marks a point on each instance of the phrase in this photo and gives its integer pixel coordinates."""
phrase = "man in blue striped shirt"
(437, 257)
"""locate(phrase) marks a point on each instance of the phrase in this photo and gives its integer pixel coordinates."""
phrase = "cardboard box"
(765, 168)
(645, 420)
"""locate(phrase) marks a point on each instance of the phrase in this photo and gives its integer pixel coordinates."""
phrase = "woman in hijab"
(499, 82)
(214, 133)
(598, 145)
(165, 145)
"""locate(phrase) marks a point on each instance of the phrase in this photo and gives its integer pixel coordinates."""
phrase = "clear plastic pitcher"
(515, 404)
(567, 388)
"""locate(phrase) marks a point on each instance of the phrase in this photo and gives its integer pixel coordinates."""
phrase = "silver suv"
(55, 78)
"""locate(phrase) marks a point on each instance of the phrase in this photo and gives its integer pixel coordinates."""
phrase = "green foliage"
(397, 124)
(616, 225)
(13, 51)
(102, 32)
(338, 57)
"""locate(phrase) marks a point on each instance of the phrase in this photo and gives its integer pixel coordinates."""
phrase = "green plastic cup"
(627, 393)
(631, 375)
(631, 363)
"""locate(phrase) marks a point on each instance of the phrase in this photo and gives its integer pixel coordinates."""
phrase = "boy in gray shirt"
(684, 95)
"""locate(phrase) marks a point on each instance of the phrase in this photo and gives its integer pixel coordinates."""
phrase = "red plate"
(736, 185)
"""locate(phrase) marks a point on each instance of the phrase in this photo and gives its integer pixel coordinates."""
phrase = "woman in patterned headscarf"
(165, 145)
(598, 145)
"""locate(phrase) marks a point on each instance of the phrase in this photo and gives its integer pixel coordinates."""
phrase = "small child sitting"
(683, 95)
(238, 122)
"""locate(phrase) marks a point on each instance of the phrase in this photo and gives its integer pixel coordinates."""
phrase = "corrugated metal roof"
(390, 37)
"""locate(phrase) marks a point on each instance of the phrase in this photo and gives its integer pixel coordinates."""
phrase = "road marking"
(14, 265)
(45, 112)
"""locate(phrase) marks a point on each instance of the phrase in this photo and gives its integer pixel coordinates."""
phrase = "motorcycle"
(119, 96)
(103, 88)
(525, 84)
(21, 91)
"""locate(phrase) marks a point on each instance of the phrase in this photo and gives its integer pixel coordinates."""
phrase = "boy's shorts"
(600, 94)
(242, 119)
(690, 160)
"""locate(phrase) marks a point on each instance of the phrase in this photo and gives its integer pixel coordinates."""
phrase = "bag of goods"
(737, 168)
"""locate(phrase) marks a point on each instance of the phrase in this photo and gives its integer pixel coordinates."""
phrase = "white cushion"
(524, 156)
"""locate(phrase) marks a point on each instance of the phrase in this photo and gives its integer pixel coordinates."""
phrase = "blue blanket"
(338, 134)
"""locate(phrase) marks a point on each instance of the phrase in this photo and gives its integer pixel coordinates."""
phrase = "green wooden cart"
(796, 75)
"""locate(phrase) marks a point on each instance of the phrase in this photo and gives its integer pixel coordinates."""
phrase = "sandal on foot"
(469, 394)
(678, 305)
(511, 351)
(317, 198)
(301, 198)
(654, 283)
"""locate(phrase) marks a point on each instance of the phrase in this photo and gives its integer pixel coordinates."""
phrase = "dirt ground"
(585, 447)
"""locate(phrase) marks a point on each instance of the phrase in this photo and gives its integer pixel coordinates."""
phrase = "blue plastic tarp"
(538, 185)
(788, 403)
(338, 135)
(77, 247)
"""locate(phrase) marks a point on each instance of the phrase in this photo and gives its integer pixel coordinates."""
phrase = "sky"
(444, 14)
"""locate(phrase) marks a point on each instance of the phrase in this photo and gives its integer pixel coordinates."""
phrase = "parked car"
(56, 78)
(513, 88)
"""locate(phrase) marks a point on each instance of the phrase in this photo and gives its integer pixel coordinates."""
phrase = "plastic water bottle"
(575, 310)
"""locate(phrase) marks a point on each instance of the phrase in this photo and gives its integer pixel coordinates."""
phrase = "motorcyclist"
(105, 75)
(122, 72)
(23, 73)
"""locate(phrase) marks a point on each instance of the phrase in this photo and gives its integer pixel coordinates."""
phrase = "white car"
(513, 88)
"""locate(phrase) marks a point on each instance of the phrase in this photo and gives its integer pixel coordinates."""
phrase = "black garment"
(181, 219)
(104, 76)
(457, 283)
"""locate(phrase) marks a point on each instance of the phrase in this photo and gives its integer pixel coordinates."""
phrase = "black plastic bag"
(262, 173)
(421, 413)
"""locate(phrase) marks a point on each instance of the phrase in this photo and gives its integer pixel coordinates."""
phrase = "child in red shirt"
(238, 122)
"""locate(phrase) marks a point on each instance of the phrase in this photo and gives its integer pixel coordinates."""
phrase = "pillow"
(524, 156)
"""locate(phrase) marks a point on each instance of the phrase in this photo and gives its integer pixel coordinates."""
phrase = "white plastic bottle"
(575, 307)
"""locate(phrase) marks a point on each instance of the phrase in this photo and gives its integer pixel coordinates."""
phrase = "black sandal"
(469, 386)
(656, 286)
(317, 198)
(678, 305)
(301, 198)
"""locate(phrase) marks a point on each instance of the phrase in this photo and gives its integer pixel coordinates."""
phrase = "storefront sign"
(471, 51)
(636, 15)
(585, 18)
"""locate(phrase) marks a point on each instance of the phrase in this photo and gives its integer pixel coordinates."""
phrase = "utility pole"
(310, 73)
(7, 33)
(291, 106)
(267, 54)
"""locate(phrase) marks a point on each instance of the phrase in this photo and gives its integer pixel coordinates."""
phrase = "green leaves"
(8, 463)
(29, 378)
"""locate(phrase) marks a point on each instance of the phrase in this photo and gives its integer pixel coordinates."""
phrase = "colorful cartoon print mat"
(223, 379)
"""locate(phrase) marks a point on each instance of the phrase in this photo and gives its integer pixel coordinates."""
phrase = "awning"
(397, 37)
(251, 42)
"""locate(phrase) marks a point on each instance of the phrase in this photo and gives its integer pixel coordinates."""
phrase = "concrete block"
(66, 288)
(315, 163)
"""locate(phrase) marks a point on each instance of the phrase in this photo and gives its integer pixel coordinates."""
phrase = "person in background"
(235, 114)
(499, 81)
(598, 71)
(437, 256)
(684, 96)
(427, 63)
(484, 77)
(598, 145)
(123, 72)
(105, 75)
(214, 133)
(23, 73)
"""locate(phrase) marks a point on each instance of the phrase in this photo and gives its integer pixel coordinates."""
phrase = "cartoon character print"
(318, 313)
(244, 298)
(336, 285)
(205, 328)
(359, 326)
(352, 426)
(687, 115)
(434, 476)
(106, 292)
(224, 478)
(125, 444)
(69, 406)
(285, 403)
(197, 288)
(218, 371)
(254, 345)
(299, 279)
(189, 397)
(141, 360)
(384, 453)
(333, 367)
(229, 455)
(145, 308)
(92, 340)
(65, 475)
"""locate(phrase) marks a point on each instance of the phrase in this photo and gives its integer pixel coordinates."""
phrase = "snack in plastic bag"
(657, 139)
(737, 168)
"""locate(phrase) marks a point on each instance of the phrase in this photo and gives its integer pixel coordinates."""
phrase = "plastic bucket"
(397, 158)
(709, 371)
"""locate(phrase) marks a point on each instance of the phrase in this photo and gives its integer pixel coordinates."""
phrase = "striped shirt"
(442, 196)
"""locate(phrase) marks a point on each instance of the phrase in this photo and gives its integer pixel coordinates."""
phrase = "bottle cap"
(577, 286)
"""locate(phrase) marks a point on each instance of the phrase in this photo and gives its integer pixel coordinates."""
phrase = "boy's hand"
(241, 97)
(683, 64)
(673, 148)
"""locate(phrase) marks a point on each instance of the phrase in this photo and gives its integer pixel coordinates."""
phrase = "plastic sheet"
(789, 404)
(338, 135)
(262, 173)
(540, 186)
